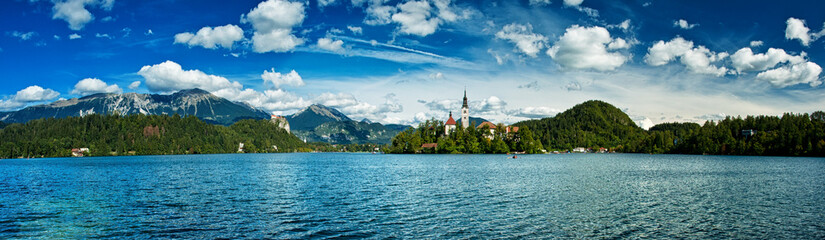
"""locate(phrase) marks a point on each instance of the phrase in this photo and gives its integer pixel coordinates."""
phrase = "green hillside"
(590, 124)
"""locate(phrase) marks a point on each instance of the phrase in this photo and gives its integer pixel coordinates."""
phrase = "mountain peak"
(193, 91)
(314, 115)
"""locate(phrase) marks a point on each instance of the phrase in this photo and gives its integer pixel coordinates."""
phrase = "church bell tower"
(465, 112)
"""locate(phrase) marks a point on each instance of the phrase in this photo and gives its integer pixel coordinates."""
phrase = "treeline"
(471, 140)
(789, 135)
(596, 124)
(138, 134)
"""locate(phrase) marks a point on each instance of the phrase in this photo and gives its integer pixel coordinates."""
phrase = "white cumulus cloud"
(273, 21)
(35, 93)
(211, 38)
(587, 48)
(800, 73)
(169, 76)
(331, 45)
(75, 36)
(30, 94)
(416, 19)
(796, 29)
(90, 86)
(744, 60)
(290, 79)
(75, 13)
(523, 37)
(696, 59)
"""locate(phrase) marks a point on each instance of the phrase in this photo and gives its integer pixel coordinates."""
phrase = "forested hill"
(139, 134)
(589, 124)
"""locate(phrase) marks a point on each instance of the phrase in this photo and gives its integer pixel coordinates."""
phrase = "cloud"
(75, 13)
(540, 2)
(572, 3)
(149, 32)
(420, 18)
(276, 100)
(134, 85)
(624, 25)
(211, 38)
(644, 123)
(104, 35)
(35, 94)
(523, 37)
(533, 85)
(378, 14)
(490, 105)
(436, 76)
(683, 24)
(349, 105)
(573, 86)
(534, 112)
(756, 43)
(744, 60)
(712, 117)
(90, 86)
(415, 18)
(796, 29)
(799, 73)
(441, 105)
(30, 94)
(696, 59)
(355, 30)
(23, 36)
(324, 3)
(587, 48)
(330, 45)
(273, 21)
(290, 79)
(75, 36)
(169, 76)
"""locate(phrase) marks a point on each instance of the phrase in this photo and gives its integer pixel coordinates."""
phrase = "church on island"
(450, 125)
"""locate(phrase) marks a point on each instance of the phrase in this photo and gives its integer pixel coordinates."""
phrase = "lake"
(346, 195)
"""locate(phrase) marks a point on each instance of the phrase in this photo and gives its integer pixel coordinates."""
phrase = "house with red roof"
(450, 125)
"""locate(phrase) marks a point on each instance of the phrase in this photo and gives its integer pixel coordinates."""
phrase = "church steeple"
(465, 99)
(465, 112)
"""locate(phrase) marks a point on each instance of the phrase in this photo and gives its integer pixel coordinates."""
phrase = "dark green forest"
(788, 135)
(595, 124)
(471, 140)
(139, 134)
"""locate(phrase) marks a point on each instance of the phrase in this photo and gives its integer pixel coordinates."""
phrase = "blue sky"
(406, 61)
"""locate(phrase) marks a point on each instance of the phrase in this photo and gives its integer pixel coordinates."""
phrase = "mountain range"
(191, 102)
(316, 123)
(319, 123)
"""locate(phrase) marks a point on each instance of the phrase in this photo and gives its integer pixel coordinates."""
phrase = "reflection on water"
(422, 196)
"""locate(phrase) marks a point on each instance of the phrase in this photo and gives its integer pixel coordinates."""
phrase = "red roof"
(451, 121)
(429, 145)
(491, 125)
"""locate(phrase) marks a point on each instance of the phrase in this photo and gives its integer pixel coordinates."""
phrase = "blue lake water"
(340, 195)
